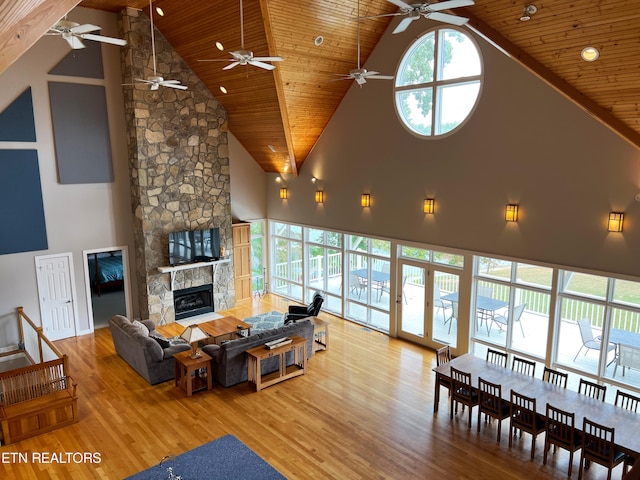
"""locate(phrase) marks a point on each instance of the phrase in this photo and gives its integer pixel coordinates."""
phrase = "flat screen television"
(194, 246)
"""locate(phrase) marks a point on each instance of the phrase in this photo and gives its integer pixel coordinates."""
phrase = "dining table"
(624, 422)
(487, 306)
(379, 279)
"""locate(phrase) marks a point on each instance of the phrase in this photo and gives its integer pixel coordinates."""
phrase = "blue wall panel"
(21, 207)
(16, 121)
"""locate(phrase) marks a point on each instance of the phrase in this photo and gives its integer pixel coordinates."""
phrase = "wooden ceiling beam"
(23, 23)
(601, 114)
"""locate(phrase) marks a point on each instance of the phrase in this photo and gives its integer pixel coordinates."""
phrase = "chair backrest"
(485, 291)
(523, 411)
(517, 312)
(627, 401)
(454, 310)
(598, 442)
(461, 388)
(560, 427)
(314, 307)
(592, 389)
(523, 366)
(443, 355)
(353, 280)
(436, 293)
(499, 358)
(628, 356)
(555, 377)
(585, 330)
(490, 397)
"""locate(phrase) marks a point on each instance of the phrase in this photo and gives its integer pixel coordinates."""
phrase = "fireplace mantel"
(172, 269)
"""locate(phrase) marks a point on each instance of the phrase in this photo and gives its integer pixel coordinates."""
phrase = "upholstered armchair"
(297, 312)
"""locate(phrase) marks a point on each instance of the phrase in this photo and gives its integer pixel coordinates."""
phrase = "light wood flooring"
(364, 410)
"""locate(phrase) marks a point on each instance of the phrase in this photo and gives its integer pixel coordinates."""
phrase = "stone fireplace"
(189, 302)
(179, 170)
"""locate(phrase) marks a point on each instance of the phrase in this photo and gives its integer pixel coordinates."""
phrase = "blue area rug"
(265, 321)
(224, 458)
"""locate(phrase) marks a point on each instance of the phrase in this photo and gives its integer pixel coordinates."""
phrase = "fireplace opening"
(193, 301)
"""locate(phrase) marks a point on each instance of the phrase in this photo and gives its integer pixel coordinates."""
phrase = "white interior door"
(57, 295)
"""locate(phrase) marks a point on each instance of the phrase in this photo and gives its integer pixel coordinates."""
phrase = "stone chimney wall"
(179, 168)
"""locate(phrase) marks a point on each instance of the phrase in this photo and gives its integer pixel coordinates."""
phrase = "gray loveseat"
(229, 364)
(142, 351)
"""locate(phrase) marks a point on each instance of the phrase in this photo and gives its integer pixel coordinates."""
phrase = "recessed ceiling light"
(590, 54)
(318, 40)
(159, 11)
(222, 89)
(219, 46)
(528, 11)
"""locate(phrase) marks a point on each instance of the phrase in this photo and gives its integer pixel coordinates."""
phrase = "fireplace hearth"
(193, 301)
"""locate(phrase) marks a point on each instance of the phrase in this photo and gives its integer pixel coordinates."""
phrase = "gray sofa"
(142, 351)
(229, 364)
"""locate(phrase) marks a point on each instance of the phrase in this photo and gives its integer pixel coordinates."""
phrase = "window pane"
(454, 105)
(627, 292)
(534, 275)
(417, 66)
(296, 232)
(256, 228)
(625, 336)
(415, 109)
(334, 239)
(492, 267)
(458, 56)
(448, 259)
(315, 235)
(585, 284)
(334, 271)
(381, 247)
(530, 322)
(359, 244)
(417, 253)
(280, 229)
(491, 302)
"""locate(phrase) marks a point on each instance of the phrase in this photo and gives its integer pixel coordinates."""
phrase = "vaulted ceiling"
(278, 115)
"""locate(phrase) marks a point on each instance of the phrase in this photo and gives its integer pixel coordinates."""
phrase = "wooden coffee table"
(225, 328)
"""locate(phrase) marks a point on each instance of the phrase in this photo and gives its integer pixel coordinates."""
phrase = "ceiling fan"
(360, 75)
(157, 81)
(245, 57)
(74, 33)
(432, 11)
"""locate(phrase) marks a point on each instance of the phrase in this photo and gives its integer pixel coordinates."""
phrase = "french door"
(424, 314)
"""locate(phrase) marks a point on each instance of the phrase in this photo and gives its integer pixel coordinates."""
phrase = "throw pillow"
(142, 327)
(177, 340)
(163, 342)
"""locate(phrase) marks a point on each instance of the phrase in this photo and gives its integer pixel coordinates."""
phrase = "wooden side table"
(320, 334)
(256, 355)
(188, 372)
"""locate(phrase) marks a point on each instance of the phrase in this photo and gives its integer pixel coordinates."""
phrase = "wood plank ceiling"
(289, 107)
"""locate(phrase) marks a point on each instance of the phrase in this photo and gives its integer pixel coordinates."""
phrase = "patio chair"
(589, 341)
(438, 303)
(453, 316)
(357, 283)
(503, 321)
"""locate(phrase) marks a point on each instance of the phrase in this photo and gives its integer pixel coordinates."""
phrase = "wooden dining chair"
(443, 355)
(598, 445)
(592, 389)
(627, 401)
(490, 403)
(497, 357)
(462, 391)
(554, 376)
(523, 417)
(561, 432)
(523, 365)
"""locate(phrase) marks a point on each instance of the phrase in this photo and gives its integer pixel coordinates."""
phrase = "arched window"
(438, 82)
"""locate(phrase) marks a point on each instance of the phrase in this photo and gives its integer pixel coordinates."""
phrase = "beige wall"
(524, 144)
(248, 187)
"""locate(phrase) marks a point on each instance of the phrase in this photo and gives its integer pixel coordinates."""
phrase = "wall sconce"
(427, 206)
(365, 200)
(283, 193)
(615, 221)
(511, 213)
(319, 196)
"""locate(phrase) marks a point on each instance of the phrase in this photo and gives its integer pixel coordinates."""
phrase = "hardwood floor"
(364, 410)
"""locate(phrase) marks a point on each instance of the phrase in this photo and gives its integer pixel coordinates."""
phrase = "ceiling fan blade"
(216, 60)
(400, 4)
(166, 82)
(269, 59)
(404, 24)
(231, 65)
(395, 14)
(86, 28)
(75, 42)
(380, 77)
(435, 7)
(447, 18)
(101, 38)
(173, 85)
(266, 66)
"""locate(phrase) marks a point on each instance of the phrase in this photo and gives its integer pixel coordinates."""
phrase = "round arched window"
(438, 82)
